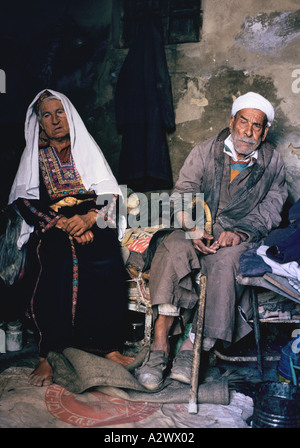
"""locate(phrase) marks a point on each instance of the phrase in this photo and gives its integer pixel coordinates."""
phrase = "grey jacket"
(255, 209)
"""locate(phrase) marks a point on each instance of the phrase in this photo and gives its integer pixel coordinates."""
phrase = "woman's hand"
(79, 224)
(86, 238)
(61, 223)
(78, 227)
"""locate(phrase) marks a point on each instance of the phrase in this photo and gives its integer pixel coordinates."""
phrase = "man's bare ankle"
(160, 347)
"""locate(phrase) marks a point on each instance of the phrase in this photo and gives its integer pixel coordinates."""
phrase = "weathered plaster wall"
(244, 46)
(249, 45)
(253, 45)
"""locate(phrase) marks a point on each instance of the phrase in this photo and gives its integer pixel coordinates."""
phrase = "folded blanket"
(256, 262)
(290, 269)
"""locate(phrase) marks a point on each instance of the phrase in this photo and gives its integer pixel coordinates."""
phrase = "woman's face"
(54, 120)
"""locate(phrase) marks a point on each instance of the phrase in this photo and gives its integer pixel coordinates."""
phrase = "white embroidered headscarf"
(90, 162)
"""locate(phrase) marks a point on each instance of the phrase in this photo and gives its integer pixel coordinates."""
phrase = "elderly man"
(242, 178)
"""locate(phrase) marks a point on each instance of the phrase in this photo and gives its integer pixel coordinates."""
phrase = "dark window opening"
(181, 19)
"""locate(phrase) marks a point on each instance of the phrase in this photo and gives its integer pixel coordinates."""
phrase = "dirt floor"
(26, 406)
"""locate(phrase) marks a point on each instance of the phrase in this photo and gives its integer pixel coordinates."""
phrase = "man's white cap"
(253, 100)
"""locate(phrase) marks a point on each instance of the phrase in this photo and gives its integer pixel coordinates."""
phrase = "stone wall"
(245, 46)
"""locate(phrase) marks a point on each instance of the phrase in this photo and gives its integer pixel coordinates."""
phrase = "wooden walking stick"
(193, 408)
(197, 348)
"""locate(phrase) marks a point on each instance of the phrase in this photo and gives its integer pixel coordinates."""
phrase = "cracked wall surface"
(249, 46)
(253, 45)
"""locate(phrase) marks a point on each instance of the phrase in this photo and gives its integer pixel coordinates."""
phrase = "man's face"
(54, 120)
(248, 130)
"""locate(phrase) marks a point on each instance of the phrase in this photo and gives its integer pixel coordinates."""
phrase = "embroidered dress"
(75, 298)
(61, 178)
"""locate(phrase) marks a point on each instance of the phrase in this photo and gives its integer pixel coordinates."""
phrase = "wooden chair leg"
(193, 408)
(256, 326)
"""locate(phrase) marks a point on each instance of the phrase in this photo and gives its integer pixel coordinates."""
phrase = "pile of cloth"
(280, 253)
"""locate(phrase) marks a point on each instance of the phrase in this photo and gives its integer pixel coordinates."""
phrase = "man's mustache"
(249, 141)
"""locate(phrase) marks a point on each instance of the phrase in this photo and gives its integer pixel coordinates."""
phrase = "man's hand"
(200, 234)
(228, 239)
(205, 249)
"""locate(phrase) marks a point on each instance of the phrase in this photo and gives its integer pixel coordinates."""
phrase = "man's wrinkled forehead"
(252, 115)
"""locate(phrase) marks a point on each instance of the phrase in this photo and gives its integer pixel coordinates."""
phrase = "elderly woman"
(78, 289)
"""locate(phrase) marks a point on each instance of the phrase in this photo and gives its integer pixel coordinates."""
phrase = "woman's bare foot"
(119, 358)
(42, 374)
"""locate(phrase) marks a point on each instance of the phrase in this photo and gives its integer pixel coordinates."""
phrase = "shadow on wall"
(67, 58)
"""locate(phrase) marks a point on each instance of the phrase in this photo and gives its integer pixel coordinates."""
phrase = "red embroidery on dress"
(33, 295)
(51, 222)
(75, 279)
(61, 178)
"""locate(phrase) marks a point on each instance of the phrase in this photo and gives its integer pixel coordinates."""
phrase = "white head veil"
(89, 160)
